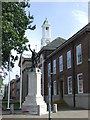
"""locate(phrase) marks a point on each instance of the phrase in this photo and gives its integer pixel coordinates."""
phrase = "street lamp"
(21, 83)
(8, 107)
(49, 92)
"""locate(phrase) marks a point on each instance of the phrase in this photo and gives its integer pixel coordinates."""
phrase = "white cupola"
(46, 33)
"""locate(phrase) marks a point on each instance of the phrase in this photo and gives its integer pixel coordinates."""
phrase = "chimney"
(89, 12)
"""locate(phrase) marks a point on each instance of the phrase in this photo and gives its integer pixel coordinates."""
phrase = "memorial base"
(34, 103)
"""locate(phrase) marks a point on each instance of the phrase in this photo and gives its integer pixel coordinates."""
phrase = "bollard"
(12, 108)
(54, 108)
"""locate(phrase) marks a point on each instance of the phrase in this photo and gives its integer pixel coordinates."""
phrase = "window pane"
(69, 59)
(70, 85)
(54, 66)
(49, 69)
(80, 83)
(54, 88)
(61, 63)
(79, 54)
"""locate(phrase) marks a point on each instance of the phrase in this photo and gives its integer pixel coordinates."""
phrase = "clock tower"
(46, 33)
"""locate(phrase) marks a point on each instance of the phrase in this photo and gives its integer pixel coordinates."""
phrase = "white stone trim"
(81, 100)
(78, 94)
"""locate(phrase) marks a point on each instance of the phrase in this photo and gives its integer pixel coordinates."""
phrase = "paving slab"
(78, 114)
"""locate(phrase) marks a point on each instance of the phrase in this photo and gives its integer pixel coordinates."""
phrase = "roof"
(54, 44)
(45, 21)
(80, 32)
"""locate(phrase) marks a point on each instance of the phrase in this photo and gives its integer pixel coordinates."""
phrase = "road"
(61, 115)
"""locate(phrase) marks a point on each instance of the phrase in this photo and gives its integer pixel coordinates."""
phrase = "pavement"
(61, 114)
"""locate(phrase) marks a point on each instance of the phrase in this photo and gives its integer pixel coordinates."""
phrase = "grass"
(16, 104)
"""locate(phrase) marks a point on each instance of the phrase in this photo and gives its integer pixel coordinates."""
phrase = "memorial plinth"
(34, 102)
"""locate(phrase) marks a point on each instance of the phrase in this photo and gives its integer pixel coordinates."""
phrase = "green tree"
(1, 82)
(14, 24)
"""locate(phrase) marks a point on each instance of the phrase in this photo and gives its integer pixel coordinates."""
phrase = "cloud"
(59, 0)
(80, 16)
(81, 19)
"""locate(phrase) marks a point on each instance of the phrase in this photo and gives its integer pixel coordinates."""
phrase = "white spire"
(89, 12)
(46, 33)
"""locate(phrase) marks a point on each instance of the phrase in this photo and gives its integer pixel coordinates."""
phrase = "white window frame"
(54, 87)
(78, 81)
(54, 66)
(69, 89)
(49, 69)
(78, 52)
(61, 63)
(69, 59)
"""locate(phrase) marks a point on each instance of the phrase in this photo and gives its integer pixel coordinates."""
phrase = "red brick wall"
(89, 63)
(82, 68)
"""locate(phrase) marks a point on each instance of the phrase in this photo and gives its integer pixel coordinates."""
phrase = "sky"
(65, 18)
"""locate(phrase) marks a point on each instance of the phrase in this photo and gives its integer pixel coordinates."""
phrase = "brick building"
(43, 53)
(68, 67)
(15, 88)
(67, 64)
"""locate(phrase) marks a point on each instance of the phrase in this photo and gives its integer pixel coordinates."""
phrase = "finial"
(46, 18)
(46, 21)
